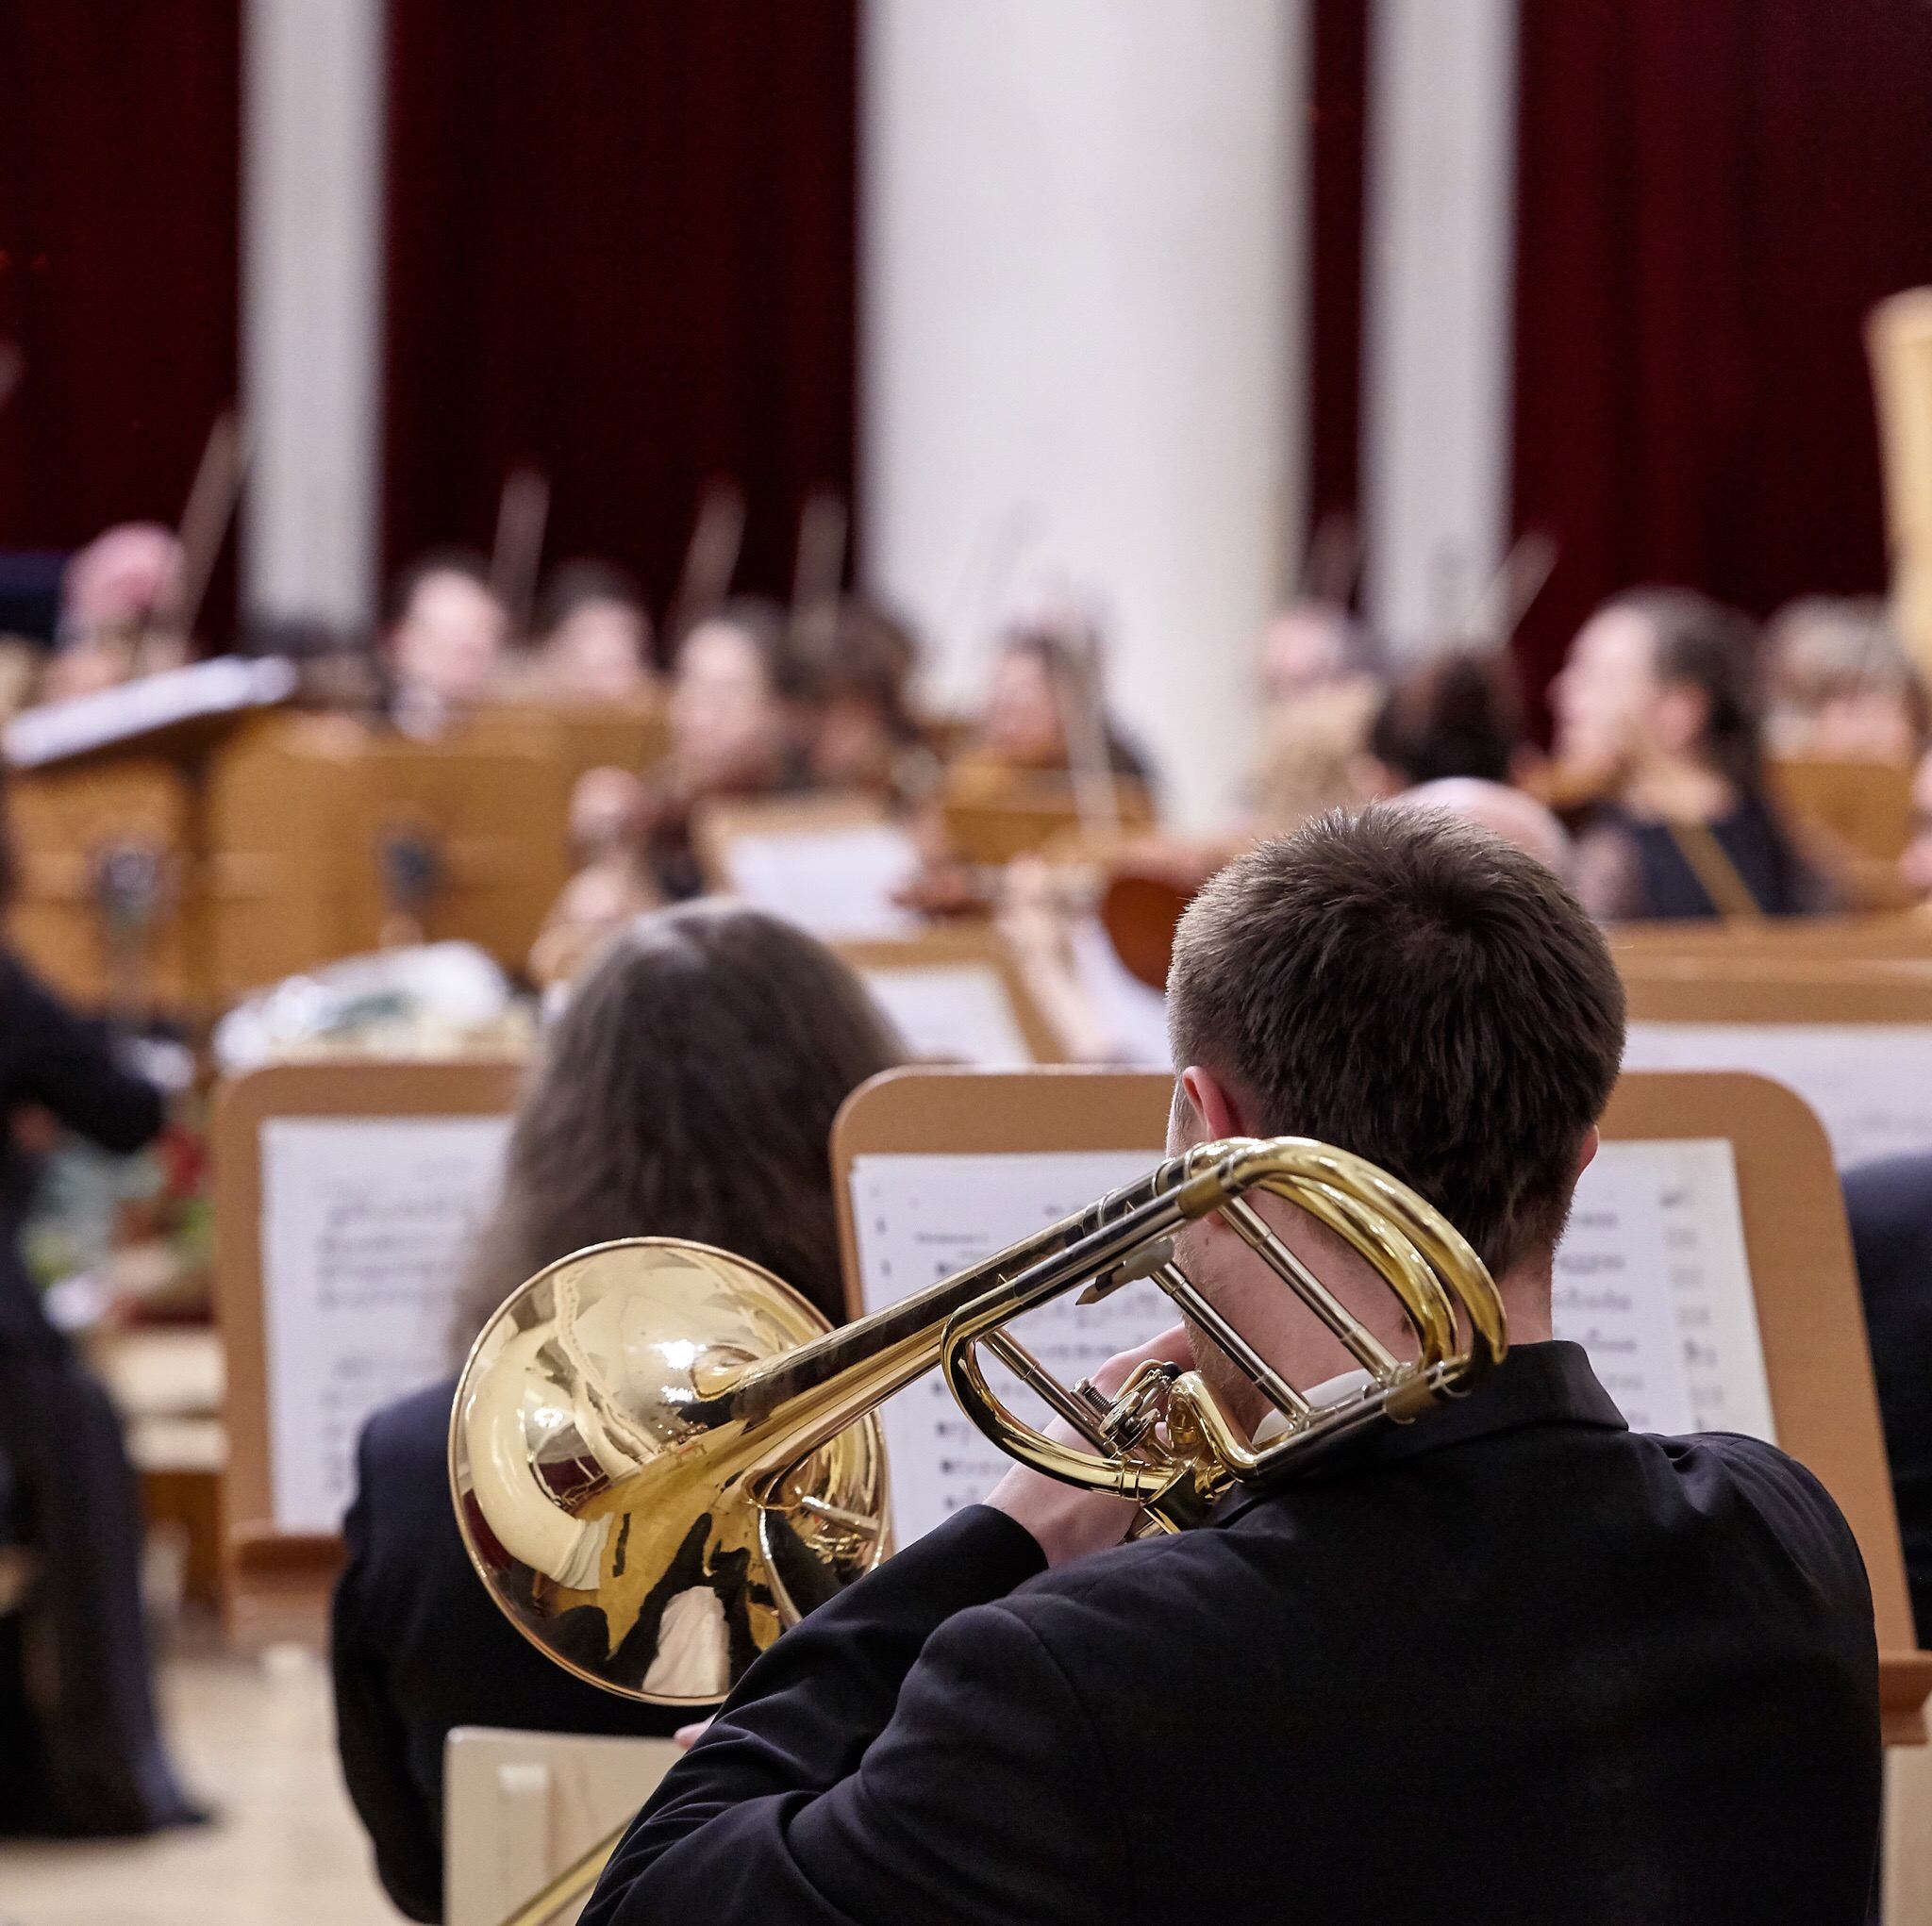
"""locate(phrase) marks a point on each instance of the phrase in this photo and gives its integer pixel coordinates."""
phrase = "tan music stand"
(991, 822)
(1809, 1315)
(1752, 988)
(719, 821)
(328, 841)
(276, 1582)
(75, 826)
(949, 948)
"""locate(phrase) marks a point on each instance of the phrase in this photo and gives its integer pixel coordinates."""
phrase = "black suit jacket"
(68, 1065)
(419, 1646)
(1514, 1664)
(1889, 1204)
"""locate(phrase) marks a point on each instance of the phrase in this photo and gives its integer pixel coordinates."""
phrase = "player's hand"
(1068, 1521)
(688, 1735)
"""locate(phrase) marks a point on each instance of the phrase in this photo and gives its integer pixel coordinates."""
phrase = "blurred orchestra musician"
(1318, 700)
(1839, 684)
(446, 641)
(1457, 714)
(1511, 813)
(1889, 1204)
(998, 1725)
(863, 734)
(687, 1089)
(80, 1748)
(1657, 725)
(1044, 700)
(593, 642)
(94, 607)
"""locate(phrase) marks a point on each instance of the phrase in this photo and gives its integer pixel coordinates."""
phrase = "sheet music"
(1870, 1083)
(1666, 1207)
(1609, 1293)
(1650, 1278)
(952, 1013)
(364, 1223)
(919, 1217)
(839, 883)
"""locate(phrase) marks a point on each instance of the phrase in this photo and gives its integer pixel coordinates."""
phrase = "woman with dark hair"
(1656, 712)
(80, 1748)
(1456, 715)
(687, 1091)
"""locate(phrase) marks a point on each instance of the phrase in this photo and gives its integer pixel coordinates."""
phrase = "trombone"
(661, 1456)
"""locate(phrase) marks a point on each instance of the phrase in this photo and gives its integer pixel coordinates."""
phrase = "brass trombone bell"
(661, 1455)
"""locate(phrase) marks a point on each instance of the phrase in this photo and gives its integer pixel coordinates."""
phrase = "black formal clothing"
(1513, 1664)
(1889, 1204)
(419, 1646)
(30, 584)
(51, 1057)
(1662, 885)
(81, 1750)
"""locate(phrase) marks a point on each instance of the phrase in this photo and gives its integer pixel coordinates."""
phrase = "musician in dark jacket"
(80, 1751)
(687, 1091)
(1510, 1663)
(1889, 1204)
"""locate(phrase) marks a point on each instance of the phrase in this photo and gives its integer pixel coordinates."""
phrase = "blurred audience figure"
(1656, 719)
(593, 638)
(687, 1089)
(1839, 684)
(863, 735)
(1515, 816)
(1318, 699)
(1457, 714)
(448, 633)
(81, 1753)
(1046, 711)
(1890, 1205)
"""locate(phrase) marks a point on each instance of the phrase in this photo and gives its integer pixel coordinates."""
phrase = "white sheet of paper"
(364, 1221)
(1870, 1083)
(920, 1217)
(952, 1013)
(1133, 1016)
(1610, 1295)
(1651, 1279)
(836, 883)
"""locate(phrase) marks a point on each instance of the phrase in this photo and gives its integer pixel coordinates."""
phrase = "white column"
(1439, 304)
(1081, 336)
(311, 304)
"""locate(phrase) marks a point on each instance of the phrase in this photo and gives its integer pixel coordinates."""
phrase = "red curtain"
(1338, 60)
(120, 134)
(621, 246)
(1711, 193)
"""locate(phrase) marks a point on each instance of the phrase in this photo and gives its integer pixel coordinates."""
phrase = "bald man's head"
(1508, 813)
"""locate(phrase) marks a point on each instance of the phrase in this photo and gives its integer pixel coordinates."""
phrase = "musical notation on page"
(365, 1223)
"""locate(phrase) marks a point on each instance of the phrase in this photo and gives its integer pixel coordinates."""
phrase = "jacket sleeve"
(68, 1064)
(912, 1753)
(371, 1736)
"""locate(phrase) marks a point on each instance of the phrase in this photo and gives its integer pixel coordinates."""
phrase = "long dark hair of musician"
(688, 1091)
(1712, 648)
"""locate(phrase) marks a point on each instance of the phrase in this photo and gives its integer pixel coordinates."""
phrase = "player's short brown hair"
(1410, 988)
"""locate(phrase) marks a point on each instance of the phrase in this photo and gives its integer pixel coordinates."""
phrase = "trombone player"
(1508, 1662)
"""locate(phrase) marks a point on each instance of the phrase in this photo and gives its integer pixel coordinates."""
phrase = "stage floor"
(255, 1738)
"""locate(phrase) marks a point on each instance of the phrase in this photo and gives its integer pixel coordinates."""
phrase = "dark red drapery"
(621, 246)
(118, 162)
(1338, 111)
(1711, 193)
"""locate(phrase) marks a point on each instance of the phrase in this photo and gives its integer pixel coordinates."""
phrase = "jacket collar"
(1535, 1384)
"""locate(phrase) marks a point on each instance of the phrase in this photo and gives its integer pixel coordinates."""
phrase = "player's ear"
(1586, 1156)
(1217, 1108)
